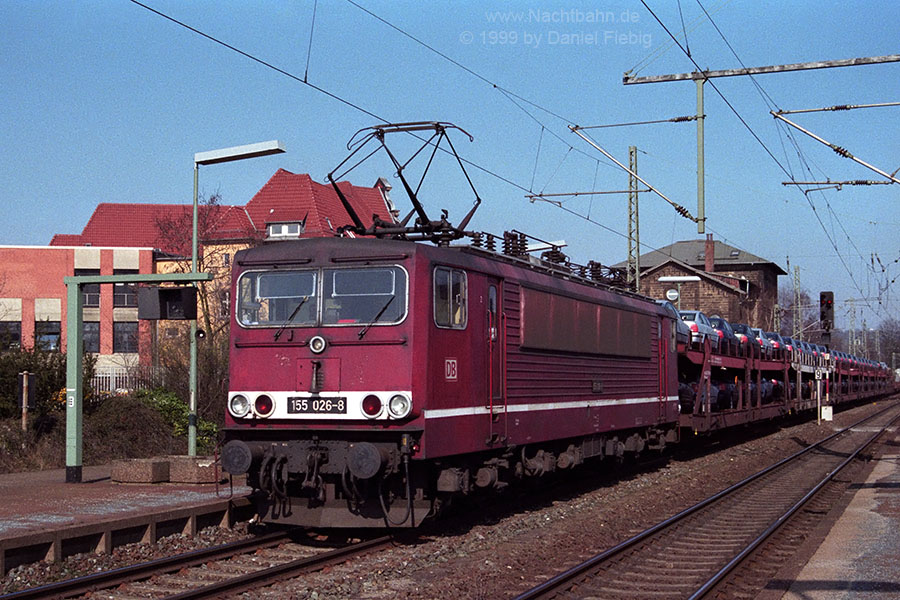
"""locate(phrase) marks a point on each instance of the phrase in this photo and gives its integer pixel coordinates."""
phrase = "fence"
(110, 380)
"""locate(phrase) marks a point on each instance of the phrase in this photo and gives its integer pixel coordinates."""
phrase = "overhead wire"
(660, 50)
(312, 27)
(258, 60)
(509, 94)
(316, 88)
(363, 110)
(750, 130)
(513, 97)
(772, 105)
(770, 102)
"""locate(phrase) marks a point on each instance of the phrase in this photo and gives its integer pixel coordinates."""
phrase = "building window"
(10, 335)
(223, 297)
(450, 298)
(125, 294)
(47, 335)
(91, 336)
(284, 230)
(90, 292)
(125, 337)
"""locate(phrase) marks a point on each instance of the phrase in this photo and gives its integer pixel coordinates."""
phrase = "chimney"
(710, 255)
(384, 187)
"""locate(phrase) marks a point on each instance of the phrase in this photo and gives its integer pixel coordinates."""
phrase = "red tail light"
(719, 331)
(694, 327)
(371, 405)
(264, 405)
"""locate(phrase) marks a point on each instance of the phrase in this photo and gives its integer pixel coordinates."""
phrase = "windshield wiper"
(363, 331)
(291, 318)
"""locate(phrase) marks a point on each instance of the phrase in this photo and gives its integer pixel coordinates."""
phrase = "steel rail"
(715, 579)
(559, 580)
(273, 574)
(115, 577)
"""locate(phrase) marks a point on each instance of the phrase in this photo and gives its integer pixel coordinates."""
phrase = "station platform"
(859, 556)
(44, 518)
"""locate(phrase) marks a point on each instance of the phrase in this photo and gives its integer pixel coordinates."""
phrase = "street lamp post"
(213, 157)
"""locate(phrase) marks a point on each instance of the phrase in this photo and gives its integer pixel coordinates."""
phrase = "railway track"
(699, 551)
(209, 573)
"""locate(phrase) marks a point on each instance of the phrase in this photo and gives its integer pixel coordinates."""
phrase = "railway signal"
(826, 310)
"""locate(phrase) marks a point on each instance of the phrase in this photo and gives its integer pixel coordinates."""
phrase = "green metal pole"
(192, 414)
(74, 382)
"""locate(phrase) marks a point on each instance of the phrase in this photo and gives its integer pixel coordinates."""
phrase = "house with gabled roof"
(735, 284)
(285, 200)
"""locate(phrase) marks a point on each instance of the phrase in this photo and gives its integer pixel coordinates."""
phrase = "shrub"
(49, 368)
(127, 427)
(118, 427)
(175, 412)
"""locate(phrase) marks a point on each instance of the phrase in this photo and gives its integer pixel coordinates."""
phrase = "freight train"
(374, 377)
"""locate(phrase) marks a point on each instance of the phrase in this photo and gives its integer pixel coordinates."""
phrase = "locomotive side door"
(495, 340)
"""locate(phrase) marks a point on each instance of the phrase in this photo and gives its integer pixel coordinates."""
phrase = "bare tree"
(218, 240)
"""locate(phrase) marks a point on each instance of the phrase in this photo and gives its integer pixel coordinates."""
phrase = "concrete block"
(192, 469)
(140, 470)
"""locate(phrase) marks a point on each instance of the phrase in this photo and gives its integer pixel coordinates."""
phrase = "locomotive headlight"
(263, 406)
(399, 406)
(317, 344)
(239, 406)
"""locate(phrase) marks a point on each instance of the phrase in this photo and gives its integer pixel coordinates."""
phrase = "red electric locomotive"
(373, 379)
(370, 378)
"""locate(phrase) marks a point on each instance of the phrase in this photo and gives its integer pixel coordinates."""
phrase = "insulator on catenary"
(841, 151)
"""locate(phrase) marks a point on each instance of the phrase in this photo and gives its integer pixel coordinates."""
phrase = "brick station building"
(734, 284)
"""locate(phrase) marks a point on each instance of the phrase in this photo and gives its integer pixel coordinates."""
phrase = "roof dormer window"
(282, 231)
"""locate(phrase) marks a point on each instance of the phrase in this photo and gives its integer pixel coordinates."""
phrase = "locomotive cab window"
(276, 298)
(304, 298)
(374, 295)
(450, 298)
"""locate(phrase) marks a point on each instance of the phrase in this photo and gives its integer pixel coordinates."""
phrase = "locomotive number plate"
(317, 406)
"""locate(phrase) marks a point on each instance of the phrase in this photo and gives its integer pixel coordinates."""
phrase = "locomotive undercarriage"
(333, 482)
(464, 475)
(341, 483)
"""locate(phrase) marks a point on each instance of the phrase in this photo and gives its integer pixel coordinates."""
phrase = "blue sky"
(105, 101)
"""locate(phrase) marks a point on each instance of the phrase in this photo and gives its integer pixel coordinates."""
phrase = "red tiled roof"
(124, 225)
(285, 197)
(288, 197)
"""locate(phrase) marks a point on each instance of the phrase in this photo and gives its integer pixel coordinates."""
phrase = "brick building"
(33, 300)
(733, 283)
(156, 238)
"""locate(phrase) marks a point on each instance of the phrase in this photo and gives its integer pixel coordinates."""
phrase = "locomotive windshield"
(314, 297)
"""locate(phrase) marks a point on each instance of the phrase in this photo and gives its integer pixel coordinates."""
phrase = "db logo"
(451, 372)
